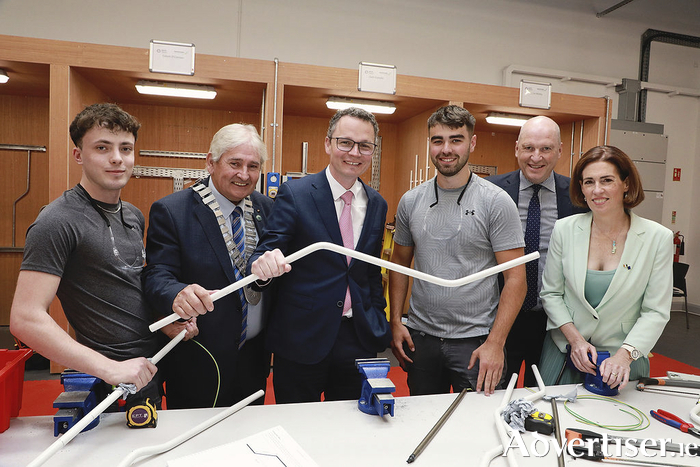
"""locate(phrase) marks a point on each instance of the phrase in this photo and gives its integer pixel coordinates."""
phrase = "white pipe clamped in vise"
(68, 436)
(367, 259)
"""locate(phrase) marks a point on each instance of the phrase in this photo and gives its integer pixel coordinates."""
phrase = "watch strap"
(634, 353)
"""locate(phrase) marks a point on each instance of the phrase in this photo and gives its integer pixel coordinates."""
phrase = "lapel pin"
(627, 266)
(258, 218)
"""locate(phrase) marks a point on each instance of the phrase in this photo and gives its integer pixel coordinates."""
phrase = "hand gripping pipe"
(97, 411)
(367, 259)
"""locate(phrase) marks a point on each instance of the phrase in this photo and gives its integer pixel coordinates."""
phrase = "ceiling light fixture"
(506, 119)
(375, 107)
(3, 77)
(196, 91)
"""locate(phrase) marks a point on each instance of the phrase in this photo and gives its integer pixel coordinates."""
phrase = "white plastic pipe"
(367, 259)
(68, 436)
(694, 415)
(167, 446)
(498, 417)
(501, 427)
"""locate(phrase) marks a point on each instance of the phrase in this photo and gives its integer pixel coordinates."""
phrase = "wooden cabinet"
(51, 81)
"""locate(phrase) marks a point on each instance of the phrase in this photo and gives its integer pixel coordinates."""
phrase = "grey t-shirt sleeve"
(505, 227)
(402, 230)
(48, 244)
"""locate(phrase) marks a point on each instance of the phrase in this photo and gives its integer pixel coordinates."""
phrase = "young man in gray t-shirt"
(455, 225)
(86, 247)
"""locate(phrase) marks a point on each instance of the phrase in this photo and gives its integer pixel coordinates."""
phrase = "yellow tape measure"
(142, 415)
(540, 422)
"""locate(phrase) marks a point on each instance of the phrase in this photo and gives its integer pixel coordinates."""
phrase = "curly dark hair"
(453, 116)
(109, 116)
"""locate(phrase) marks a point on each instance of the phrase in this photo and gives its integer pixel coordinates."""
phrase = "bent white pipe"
(501, 427)
(367, 259)
(168, 445)
(68, 436)
(694, 414)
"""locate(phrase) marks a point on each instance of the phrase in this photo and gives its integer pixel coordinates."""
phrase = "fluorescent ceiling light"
(375, 107)
(196, 91)
(3, 77)
(506, 119)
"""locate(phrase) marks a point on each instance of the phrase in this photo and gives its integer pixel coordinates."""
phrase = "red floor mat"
(38, 396)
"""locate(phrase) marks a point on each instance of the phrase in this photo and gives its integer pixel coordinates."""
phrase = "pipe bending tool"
(376, 397)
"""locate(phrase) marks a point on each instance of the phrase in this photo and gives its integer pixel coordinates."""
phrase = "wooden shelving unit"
(51, 81)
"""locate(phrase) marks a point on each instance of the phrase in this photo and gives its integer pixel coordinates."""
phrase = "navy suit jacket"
(185, 246)
(510, 182)
(306, 319)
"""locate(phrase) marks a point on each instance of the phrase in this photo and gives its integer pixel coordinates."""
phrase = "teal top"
(597, 283)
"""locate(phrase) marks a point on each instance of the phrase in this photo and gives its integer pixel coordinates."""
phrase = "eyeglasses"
(139, 261)
(346, 145)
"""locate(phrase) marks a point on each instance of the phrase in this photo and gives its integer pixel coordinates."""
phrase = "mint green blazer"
(636, 306)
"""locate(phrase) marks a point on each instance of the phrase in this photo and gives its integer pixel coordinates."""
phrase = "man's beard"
(453, 170)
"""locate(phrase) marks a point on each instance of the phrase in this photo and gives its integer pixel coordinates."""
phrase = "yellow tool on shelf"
(387, 249)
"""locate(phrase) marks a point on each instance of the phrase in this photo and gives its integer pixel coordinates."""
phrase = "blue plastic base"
(595, 383)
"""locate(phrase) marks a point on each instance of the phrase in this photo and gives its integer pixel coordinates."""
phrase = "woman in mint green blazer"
(608, 281)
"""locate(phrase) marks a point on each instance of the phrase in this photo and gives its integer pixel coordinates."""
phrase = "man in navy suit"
(330, 308)
(537, 150)
(198, 241)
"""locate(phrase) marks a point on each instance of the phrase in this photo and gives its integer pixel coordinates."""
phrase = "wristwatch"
(634, 353)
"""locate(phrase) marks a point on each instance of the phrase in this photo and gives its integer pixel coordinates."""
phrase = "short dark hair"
(453, 116)
(109, 116)
(625, 168)
(353, 112)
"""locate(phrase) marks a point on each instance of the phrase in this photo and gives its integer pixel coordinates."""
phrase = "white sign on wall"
(535, 95)
(171, 57)
(373, 77)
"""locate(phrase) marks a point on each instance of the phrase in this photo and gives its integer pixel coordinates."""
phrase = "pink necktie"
(345, 223)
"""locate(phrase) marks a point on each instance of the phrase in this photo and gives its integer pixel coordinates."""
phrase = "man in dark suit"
(198, 241)
(537, 150)
(330, 308)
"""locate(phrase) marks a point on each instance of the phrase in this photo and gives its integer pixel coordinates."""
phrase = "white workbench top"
(337, 434)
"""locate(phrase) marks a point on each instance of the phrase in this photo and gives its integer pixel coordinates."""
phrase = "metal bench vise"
(376, 398)
(78, 399)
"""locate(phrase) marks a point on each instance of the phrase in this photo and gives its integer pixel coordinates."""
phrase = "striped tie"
(239, 239)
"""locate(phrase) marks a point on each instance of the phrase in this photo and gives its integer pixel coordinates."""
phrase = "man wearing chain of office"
(199, 240)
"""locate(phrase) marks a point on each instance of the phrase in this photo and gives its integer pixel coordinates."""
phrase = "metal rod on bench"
(368, 259)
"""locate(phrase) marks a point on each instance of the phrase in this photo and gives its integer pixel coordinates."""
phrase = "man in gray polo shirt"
(454, 225)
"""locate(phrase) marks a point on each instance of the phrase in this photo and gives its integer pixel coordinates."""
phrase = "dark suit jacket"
(306, 319)
(510, 182)
(185, 246)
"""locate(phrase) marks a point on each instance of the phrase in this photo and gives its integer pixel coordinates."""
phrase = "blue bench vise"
(77, 400)
(376, 398)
